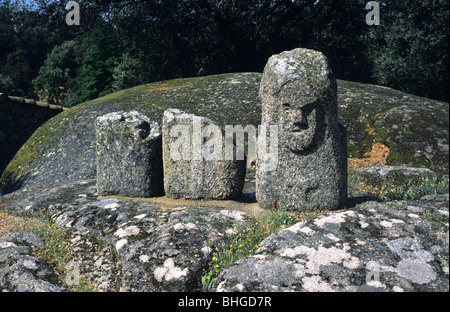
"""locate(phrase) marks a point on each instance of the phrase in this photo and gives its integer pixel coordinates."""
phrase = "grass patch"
(245, 243)
(415, 189)
(398, 205)
(55, 251)
(434, 216)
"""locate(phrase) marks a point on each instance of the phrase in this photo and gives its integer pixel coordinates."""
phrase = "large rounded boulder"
(414, 130)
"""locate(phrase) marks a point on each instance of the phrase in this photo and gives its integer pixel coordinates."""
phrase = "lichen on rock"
(370, 248)
(63, 149)
(128, 155)
(191, 170)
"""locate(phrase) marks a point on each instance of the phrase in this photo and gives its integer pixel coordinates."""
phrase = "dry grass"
(56, 251)
(164, 86)
(9, 223)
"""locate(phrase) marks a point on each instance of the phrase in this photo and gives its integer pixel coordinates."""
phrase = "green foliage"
(130, 72)
(25, 41)
(98, 63)
(416, 188)
(57, 76)
(49, 84)
(338, 29)
(411, 48)
(126, 43)
(6, 33)
(435, 216)
(246, 242)
(6, 85)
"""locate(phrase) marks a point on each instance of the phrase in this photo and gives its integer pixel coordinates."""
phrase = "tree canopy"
(119, 44)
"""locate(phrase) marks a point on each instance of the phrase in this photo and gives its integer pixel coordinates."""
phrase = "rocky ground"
(372, 247)
(124, 244)
(132, 245)
(120, 245)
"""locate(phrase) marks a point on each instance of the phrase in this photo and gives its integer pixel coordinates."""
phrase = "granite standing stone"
(129, 157)
(299, 94)
(194, 162)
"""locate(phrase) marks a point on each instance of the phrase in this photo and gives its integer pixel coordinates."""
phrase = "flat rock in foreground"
(373, 247)
(131, 245)
(120, 245)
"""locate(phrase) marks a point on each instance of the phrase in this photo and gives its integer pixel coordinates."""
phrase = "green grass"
(245, 243)
(434, 216)
(56, 252)
(415, 189)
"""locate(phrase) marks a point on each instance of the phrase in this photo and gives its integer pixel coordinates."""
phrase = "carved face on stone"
(300, 125)
(298, 93)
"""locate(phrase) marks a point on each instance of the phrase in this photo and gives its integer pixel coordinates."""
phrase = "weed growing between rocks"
(416, 188)
(245, 243)
(434, 216)
(55, 251)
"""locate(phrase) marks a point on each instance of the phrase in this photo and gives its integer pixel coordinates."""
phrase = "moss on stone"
(404, 123)
(414, 128)
(36, 145)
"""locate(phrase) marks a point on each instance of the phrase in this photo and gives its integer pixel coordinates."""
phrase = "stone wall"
(19, 118)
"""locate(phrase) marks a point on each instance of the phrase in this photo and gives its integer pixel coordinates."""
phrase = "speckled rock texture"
(20, 271)
(129, 158)
(298, 93)
(118, 244)
(191, 170)
(378, 177)
(414, 129)
(370, 248)
(132, 245)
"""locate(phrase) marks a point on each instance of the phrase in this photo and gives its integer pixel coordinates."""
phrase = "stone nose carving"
(300, 126)
(298, 93)
(299, 119)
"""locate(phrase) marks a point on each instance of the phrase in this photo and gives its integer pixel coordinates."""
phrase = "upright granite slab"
(299, 94)
(194, 159)
(129, 160)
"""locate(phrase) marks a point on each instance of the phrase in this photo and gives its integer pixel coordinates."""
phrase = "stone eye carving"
(299, 125)
(298, 94)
